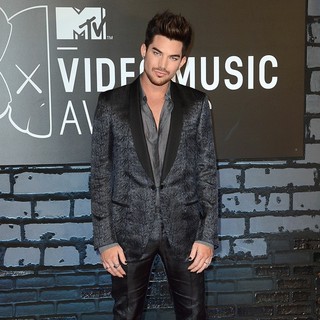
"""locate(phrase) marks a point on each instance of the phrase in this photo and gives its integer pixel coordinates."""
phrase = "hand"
(112, 258)
(201, 255)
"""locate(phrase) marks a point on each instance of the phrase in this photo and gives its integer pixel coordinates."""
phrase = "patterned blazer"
(123, 192)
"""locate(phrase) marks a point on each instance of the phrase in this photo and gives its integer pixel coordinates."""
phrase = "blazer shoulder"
(115, 95)
(116, 100)
(187, 98)
(188, 93)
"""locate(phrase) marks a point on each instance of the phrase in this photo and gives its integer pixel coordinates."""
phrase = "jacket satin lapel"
(174, 132)
(136, 125)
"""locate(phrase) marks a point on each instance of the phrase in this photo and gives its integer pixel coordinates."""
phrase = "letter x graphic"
(29, 80)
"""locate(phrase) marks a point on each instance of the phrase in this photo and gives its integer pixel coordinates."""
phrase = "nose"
(163, 62)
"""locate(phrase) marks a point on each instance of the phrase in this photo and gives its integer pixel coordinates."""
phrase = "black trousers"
(187, 288)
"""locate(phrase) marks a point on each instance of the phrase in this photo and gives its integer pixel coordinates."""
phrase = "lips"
(161, 73)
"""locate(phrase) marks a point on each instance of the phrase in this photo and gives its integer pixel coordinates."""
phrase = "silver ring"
(116, 266)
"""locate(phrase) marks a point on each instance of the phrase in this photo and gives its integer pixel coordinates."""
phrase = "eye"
(156, 53)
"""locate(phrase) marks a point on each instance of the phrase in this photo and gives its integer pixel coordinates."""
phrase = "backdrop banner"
(57, 56)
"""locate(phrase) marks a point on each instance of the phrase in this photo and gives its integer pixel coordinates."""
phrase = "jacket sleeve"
(207, 178)
(101, 177)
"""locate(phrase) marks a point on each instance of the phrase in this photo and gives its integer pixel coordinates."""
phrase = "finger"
(203, 267)
(113, 268)
(198, 261)
(206, 264)
(105, 265)
(193, 253)
(117, 270)
(196, 265)
(122, 257)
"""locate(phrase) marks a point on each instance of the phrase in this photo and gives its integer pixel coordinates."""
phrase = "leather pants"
(187, 288)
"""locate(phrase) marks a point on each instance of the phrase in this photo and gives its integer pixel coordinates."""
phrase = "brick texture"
(267, 266)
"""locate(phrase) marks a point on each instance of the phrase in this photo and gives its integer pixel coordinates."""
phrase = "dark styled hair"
(172, 26)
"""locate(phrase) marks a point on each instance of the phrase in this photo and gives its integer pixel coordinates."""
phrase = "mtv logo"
(89, 23)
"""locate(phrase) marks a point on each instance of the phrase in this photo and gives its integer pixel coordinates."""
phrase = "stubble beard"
(158, 81)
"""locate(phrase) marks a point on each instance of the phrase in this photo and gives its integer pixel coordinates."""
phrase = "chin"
(160, 82)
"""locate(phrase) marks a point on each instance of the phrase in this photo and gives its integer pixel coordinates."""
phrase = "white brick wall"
(53, 208)
(315, 128)
(82, 207)
(250, 202)
(315, 29)
(232, 226)
(229, 178)
(10, 232)
(61, 256)
(271, 224)
(51, 183)
(21, 257)
(313, 57)
(255, 247)
(279, 177)
(15, 209)
(58, 231)
(315, 81)
(4, 183)
(313, 103)
(306, 201)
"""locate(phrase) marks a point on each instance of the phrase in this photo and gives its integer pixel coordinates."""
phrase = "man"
(153, 183)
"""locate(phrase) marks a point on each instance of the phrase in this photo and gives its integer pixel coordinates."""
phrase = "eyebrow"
(171, 55)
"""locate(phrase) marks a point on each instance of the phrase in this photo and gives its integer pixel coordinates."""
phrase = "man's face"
(162, 59)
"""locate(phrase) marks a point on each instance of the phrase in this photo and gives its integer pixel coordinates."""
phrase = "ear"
(143, 50)
(183, 61)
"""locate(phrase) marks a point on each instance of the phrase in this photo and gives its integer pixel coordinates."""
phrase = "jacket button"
(153, 187)
(161, 187)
